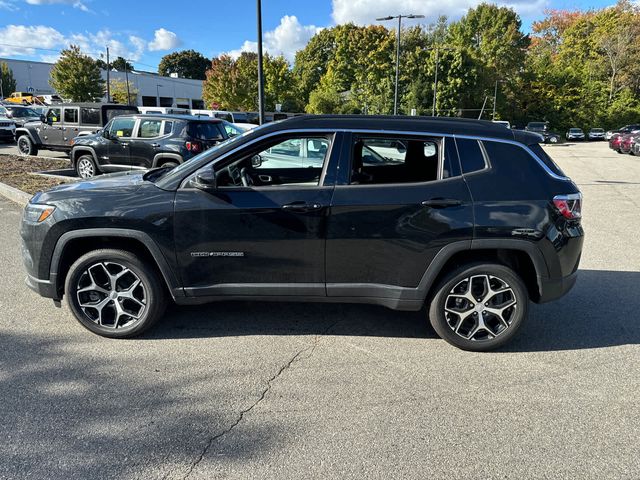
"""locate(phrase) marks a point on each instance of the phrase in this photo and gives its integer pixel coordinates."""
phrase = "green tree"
(6, 79)
(120, 94)
(119, 64)
(312, 61)
(76, 76)
(186, 63)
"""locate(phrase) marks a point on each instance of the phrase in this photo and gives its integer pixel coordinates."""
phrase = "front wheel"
(114, 293)
(479, 307)
(26, 146)
(86, 167)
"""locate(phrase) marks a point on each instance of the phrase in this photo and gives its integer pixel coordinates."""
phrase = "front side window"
(279, 162)
(149, 128)
(383, 160)
(90, 116)
(70, 115)
(53, 115)
(122, 127)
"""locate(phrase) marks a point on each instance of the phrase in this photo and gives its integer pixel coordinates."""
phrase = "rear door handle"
(155, 145)
(442, 203)
(301, 207)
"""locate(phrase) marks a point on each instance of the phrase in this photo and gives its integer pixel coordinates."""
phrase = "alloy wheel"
(23, 146)
(480, 307)
(111, 295)
(85, 168)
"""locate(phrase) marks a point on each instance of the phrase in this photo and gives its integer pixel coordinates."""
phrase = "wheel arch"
(160, 157)
(77, 152)
(25, 131)
(72, 245)
(525, 258)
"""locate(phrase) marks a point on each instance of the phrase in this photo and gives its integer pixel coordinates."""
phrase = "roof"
(436, 125)
(176, 116)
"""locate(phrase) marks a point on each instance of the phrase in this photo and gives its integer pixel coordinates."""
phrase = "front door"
(402, 199)
(51, 133)
(262, 231)
(121, 131)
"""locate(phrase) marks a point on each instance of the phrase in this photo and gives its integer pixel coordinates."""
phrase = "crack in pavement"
(311, 348)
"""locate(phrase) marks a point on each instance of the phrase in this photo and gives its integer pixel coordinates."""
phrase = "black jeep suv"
(62, 123)
(145, 141)
(467, 217)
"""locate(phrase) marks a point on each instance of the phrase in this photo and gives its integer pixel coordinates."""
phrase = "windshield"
(597, 130)
(575, 130)
(18, 112)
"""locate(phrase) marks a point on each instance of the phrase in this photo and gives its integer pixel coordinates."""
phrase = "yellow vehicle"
(24, 98)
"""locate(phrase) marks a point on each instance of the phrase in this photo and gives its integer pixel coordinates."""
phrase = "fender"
(166, 156)
(25, 131)
(82, 149)
(168, 274)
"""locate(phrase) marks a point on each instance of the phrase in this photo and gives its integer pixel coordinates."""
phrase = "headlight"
(36, 213)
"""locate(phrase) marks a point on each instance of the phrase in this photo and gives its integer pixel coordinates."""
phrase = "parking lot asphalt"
(12, 149)
(284, 390)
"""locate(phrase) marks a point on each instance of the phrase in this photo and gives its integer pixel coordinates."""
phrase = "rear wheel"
(26, 146)
(114, 294)
(479, 307)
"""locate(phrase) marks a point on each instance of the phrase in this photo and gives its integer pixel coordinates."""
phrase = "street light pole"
(399, 17)
(495, 97)
(435, 84)
(260, 71)
(108, 86)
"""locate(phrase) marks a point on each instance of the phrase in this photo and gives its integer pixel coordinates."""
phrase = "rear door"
(399, 201)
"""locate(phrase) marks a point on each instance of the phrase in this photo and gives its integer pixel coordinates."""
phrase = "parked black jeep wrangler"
(464, 216)
(62, 123)
(145, 141)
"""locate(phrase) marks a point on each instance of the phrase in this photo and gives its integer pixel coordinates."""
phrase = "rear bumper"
(553, 288)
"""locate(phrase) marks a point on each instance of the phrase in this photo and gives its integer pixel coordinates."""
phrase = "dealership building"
(153, 90)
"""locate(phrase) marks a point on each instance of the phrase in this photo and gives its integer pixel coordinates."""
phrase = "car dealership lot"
(244, 390)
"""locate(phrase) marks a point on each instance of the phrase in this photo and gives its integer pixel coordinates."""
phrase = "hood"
(119, 184)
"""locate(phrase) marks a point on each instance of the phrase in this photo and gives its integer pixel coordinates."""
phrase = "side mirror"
(205, 180)
(43, 119)
(256, 161)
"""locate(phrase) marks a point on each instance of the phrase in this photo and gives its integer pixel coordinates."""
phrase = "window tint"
(149, 128)
(90, 116)
(470, 153)
(548, 161)
(122, 127)
(393, 160)
(296, 153)
(53, 115)
(231, 129)
(168, 127)
(70, 115)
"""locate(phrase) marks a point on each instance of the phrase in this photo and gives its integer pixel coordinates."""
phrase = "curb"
(15, 195)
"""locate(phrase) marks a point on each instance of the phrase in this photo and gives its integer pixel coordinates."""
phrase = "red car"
(627, 141)
(614, 142)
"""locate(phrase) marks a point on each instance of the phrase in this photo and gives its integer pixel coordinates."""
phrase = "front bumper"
(7, 134)
(44, 288)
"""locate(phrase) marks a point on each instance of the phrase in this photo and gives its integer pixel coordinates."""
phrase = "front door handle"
(441, 203)
(301, 207)
(155, 145)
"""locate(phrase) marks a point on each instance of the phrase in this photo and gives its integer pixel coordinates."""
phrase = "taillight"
(194, 147)
(570, 206)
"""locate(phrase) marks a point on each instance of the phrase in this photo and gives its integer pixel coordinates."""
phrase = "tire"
(86, 167)
(139, 293)
(26, 146)
(450, 296)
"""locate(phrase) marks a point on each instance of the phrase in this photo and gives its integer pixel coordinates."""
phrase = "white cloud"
(164, 40)
(365, 12)
(22, 40)
(74, 3)
(8, 5)
(286, 39)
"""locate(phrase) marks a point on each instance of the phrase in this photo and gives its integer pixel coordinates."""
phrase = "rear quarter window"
(546, 159)
(471, 155)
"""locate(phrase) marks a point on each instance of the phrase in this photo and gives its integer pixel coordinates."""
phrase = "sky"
(143, 31)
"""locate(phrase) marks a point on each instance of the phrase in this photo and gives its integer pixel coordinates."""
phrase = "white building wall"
(35, 75)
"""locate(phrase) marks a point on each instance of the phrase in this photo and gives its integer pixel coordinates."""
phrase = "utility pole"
(108, 86)
(126, 77)
(495, 97)
(399, 17)
(435, 84)
(260, 71)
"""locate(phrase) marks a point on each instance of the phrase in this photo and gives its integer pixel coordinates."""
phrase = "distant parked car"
(596, 134)
(575, 134)
(62, 123)
(614, 142)
(7, 129)
(542, 128)
(145, 141)
(622, 130)
(24, 98)
(20, 114)
(628, 141)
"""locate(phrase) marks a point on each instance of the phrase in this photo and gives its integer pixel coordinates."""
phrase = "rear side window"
(70, 115)
(149, 128)
(471, 155)
(548, 161)
(168, 126)
(90, 116)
